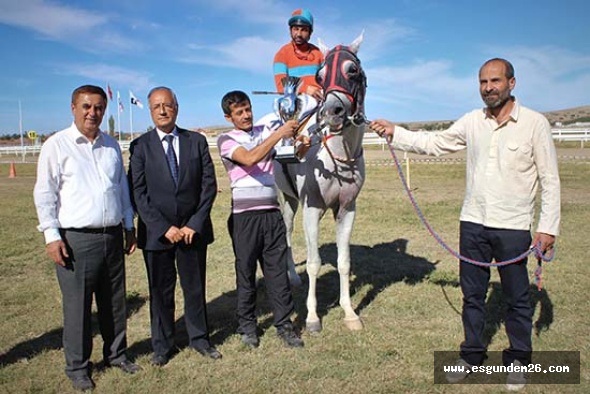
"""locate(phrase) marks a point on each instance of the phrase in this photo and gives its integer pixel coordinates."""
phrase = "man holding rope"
(510, 152)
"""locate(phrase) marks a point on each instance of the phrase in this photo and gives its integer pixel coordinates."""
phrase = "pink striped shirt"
(253, 187)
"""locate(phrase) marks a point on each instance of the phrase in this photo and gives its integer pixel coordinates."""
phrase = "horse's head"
(344, 83)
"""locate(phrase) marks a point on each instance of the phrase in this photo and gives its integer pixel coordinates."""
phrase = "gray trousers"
(95, 267)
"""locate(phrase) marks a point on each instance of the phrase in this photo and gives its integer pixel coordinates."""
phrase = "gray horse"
(331, 174)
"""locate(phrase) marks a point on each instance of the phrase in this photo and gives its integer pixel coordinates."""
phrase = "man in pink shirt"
(256, 225)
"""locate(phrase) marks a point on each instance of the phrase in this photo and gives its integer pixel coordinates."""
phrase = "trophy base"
(286, 155)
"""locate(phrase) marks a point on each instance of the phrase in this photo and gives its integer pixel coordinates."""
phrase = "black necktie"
(171, 157)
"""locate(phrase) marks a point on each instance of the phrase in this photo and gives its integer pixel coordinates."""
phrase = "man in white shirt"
(510, 152)
(83, 204)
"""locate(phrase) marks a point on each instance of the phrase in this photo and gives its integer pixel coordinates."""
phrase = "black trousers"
(484, 244)
(162, 271)
(95, 267)
(260, 236)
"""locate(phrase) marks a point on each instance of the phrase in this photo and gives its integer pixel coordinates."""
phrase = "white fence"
(559, 135)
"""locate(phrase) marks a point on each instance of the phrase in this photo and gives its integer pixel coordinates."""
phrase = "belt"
(100, 230)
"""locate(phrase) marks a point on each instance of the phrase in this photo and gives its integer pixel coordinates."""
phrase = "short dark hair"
(233, 97)
(88, 89)
(507, 66)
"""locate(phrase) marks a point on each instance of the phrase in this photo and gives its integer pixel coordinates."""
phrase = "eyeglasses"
(163, 106)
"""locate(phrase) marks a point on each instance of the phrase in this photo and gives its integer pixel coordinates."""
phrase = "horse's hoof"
(313, 327)
(354, 324)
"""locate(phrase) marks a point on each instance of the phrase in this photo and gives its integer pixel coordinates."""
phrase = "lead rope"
(549, 256)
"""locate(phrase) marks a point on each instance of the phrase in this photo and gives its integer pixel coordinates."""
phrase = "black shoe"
(289, 337)
(126, 366)
(210, 352)
(82, 383)
(159, 360)
(251, 340)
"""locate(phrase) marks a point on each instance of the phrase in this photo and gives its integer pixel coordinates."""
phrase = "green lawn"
(404, 287)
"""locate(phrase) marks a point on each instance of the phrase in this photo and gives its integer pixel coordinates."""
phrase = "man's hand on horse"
(315, 92)
(302, 145)
(383, 128)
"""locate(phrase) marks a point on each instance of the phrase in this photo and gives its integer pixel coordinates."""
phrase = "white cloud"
(119, 78)
(74, 26)
(260, 53)
(51, 20)
(256, 11)
(422, 86)
(382, 37)
(548, 78)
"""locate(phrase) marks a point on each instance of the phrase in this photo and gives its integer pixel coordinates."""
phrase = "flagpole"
(20, 126)
(131, 119)
(119, 114)
(119, 121)
(108, 110)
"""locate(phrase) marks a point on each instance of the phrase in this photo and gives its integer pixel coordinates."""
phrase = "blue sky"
(421, 56)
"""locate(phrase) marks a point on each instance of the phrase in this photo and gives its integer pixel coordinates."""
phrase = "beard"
(495, 100)
(299, 41)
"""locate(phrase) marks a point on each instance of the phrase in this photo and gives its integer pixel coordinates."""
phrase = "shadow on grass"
(221, 321)
(52, 340)
(496, 308)
(378, 266)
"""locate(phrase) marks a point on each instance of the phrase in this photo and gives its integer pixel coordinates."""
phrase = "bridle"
(342, 73)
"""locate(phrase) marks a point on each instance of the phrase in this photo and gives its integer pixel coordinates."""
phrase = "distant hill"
(564, 116)
(577, 114)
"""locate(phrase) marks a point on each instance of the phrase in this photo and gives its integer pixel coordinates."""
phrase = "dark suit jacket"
(158, 202)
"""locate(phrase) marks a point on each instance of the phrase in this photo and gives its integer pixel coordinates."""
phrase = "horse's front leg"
(289, 207)
(344, 222)
(311, 225)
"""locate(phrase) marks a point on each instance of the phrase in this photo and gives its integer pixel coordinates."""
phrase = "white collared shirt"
(505, 165)
(81, 184)
(175, 144)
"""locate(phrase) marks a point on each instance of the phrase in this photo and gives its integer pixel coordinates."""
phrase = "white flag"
(135, 100)
(120, 102)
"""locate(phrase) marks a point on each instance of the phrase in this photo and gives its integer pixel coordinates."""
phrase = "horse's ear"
(356, 44)
(323, 47)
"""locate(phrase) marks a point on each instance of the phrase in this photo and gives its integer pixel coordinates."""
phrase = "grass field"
(404, 287)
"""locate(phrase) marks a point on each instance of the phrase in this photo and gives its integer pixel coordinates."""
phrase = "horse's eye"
(352, 69)
(320, 76)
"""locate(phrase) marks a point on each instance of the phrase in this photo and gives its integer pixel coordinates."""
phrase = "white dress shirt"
(175, 143)
(81, 184)
(505, 164)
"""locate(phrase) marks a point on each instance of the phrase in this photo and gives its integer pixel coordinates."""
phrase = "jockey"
(299, 58)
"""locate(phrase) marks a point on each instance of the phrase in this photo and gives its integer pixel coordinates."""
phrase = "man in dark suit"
(174, 186)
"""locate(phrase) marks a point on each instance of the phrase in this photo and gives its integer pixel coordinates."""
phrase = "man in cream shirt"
(510, 152)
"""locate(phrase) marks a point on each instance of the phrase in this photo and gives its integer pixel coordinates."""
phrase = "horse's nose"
(334, 106)
(334, 110)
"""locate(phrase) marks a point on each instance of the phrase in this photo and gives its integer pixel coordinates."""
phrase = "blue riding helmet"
(301, 17)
